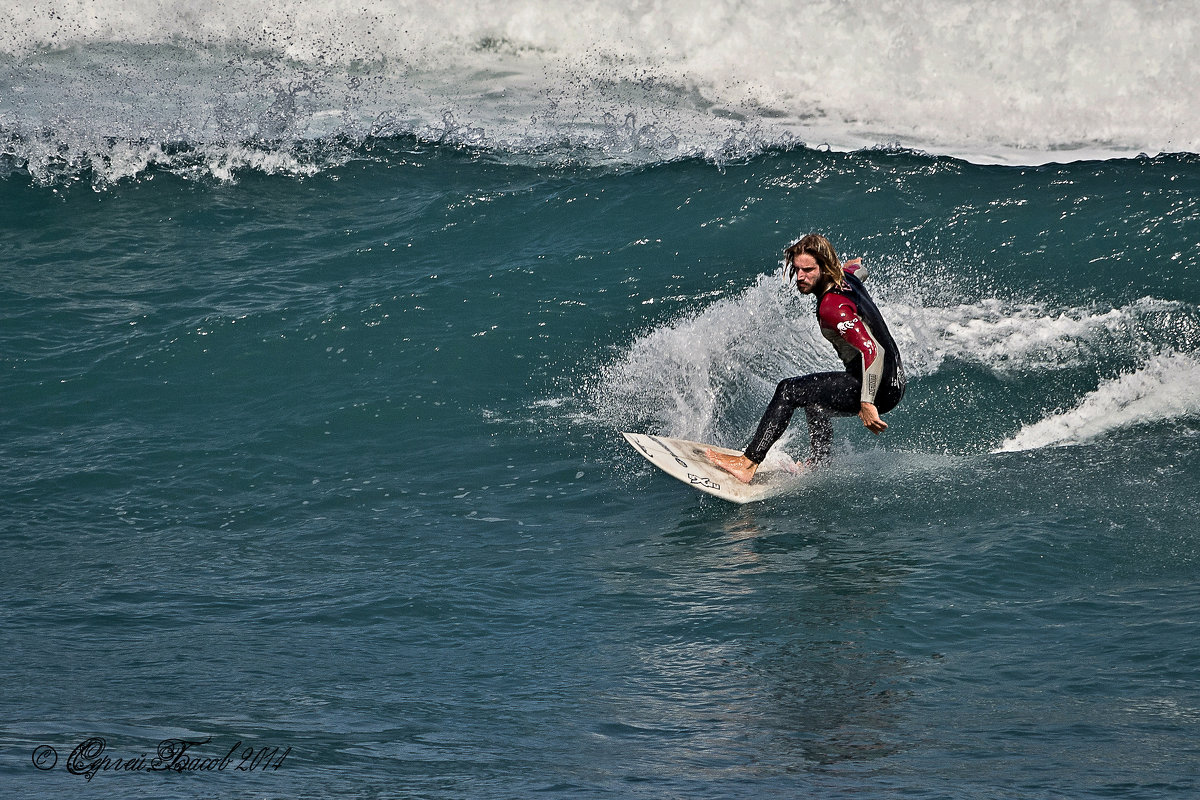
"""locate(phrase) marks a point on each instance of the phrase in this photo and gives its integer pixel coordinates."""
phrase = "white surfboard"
(685, 461)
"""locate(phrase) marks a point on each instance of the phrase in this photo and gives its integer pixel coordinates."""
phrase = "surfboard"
(685, 461)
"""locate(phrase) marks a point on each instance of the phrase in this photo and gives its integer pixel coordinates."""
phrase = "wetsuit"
(852, 323)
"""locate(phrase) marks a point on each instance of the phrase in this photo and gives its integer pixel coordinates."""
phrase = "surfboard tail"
(685, 461)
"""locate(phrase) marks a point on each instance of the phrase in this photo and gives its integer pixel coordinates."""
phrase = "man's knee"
(795, 389)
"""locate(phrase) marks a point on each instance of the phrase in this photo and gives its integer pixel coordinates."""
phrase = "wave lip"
(1013, 83)
(1162, 390)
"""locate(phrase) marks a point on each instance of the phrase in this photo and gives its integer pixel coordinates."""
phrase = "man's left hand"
(869, 414)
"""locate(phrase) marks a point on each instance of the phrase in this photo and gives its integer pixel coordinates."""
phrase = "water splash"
(690, 377)
(707, 375)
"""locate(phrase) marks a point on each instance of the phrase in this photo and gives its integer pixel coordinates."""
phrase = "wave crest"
(1017, 83)
(1163, 389)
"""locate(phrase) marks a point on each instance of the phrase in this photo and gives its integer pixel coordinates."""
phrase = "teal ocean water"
(320, 327)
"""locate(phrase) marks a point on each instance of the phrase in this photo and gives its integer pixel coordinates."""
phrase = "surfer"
(872, 383)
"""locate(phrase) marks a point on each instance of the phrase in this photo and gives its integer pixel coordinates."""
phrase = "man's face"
(808, 272)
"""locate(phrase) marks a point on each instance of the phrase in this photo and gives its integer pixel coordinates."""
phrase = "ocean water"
(321, 321)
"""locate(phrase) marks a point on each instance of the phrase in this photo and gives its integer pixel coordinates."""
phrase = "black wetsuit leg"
(822, 395)
(820, 434)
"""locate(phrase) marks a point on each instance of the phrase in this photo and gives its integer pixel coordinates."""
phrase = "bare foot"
(739, 467)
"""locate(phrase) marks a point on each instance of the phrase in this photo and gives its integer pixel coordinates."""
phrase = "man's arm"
(840, 313)
(855, 267)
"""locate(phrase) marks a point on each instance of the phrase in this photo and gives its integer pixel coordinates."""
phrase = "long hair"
(820, 249)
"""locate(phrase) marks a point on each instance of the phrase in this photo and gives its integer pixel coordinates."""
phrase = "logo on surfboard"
(700, 480)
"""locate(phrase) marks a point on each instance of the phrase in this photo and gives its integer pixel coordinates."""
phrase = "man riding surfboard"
(872, 383)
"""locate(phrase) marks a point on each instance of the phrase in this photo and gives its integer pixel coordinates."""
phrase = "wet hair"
(822, 251)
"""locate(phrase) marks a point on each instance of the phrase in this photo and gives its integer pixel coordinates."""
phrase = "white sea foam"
(1024, 341)
(1007, 337)
(1022, 81)
(1164, 389)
